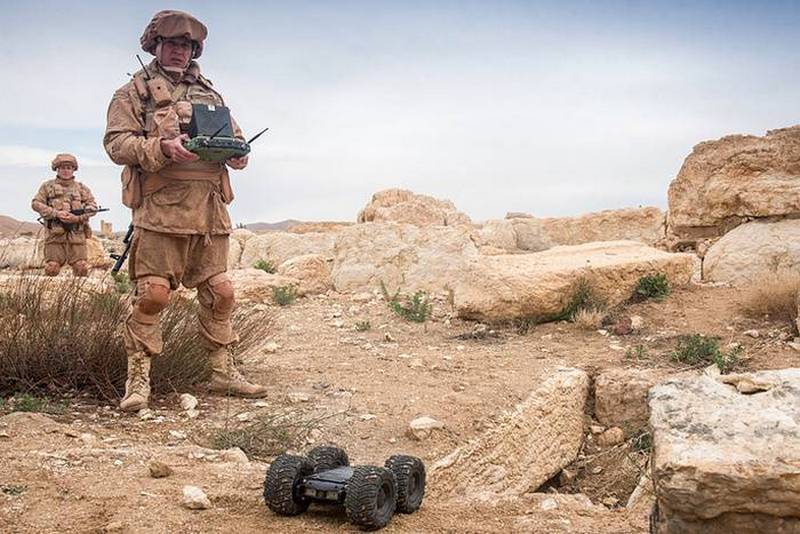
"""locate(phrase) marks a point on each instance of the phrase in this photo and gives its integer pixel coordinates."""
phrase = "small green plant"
(24, 402)
(122, 282)
(697, 349)
(363, 326)
(265, 265)
(652, 286)
(284, 295)
(583, 296)
(728, 361)
(13, 490)
(637, 352)
(417, 308)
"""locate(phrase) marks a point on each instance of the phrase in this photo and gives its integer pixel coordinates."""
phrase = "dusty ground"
(86, 469)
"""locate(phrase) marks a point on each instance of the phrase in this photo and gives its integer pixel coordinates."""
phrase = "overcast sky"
(552, 108)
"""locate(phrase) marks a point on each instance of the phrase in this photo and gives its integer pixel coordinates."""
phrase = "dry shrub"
(268, 436)
(774, 296)
(589, 318)
(65, 334)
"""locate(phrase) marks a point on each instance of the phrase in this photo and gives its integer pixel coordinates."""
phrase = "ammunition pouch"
(132, 187)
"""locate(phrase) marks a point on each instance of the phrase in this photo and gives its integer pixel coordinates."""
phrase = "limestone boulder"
(538, 438)
(19, 253)
(255, 285)
(402, 256)
(620, 397)
(646, 225)
(753, 251)
(97, 253)
(496, 235)
(277, 247)
(727, 452)
(539, 285)
(724, 182)
(313, 271)
(403, 206)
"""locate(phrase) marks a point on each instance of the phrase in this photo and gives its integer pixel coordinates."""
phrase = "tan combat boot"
(137, 386)
(227, 380)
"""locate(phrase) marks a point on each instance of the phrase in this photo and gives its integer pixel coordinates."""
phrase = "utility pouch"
(159, 92)
(131, 187)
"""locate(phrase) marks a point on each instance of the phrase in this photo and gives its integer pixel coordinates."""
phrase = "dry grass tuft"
(774, 296)
(65, 334)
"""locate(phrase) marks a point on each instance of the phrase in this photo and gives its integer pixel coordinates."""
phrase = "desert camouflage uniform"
(180, 216)
(60, 246)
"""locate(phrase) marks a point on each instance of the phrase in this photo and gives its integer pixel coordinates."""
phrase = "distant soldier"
(179, 205)
(66, 233)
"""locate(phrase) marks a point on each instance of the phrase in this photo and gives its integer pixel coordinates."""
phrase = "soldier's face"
(176, 52)
(65, 171)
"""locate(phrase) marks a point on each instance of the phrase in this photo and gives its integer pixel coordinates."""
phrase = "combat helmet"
(168, 23)
(64, 158)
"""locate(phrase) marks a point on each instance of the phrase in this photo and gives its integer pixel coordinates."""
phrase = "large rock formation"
(255, 286)
(28, 253)
(645, 225)
(542, 435)
(313, 271)
(277, 247)
(753, 251)
(402, 206)
(725, 182)
(727, 452)
(19, 253)
(401, 256)
(539, 285)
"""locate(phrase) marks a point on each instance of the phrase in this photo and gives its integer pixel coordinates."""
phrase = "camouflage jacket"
(63, 195)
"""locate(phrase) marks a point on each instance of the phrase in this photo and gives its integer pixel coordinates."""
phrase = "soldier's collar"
(64, 181)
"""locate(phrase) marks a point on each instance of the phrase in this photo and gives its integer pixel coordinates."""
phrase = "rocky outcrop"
(727, 452)
(255, 285)
(403, 206)
(313, 272)
(542, 435)
(645, 225)
(620, 397)
(532, 234)
(753, 251)
(539, 285)
(402, 256)
(725, 182)
(19, 253)
(28, 253)
(277, 247)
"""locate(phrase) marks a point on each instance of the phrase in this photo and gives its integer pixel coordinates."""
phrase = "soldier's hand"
(67, 217)
(238, 163)
(174, 149)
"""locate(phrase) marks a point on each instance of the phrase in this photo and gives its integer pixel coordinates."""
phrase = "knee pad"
(52, 268)
(220, 289)
(80, 268)
(152, 295)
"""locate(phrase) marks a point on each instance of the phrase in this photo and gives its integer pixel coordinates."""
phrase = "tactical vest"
(161, 119)
(65, 198)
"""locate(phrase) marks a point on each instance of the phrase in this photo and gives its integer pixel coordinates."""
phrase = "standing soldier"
(66, 233)
(178, 202)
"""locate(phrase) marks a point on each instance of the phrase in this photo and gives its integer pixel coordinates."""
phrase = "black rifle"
(70, 227)
(122, 257)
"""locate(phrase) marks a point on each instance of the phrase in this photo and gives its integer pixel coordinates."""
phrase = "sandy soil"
(85, 470)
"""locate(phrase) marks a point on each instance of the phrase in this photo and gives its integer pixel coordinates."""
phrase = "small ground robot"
(370, 494)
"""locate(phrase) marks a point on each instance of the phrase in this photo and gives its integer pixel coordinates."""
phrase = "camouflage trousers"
(159, 264)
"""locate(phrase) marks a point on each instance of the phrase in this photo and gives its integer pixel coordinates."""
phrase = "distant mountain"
(281, 226)
(10, 227)
(297, 227)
